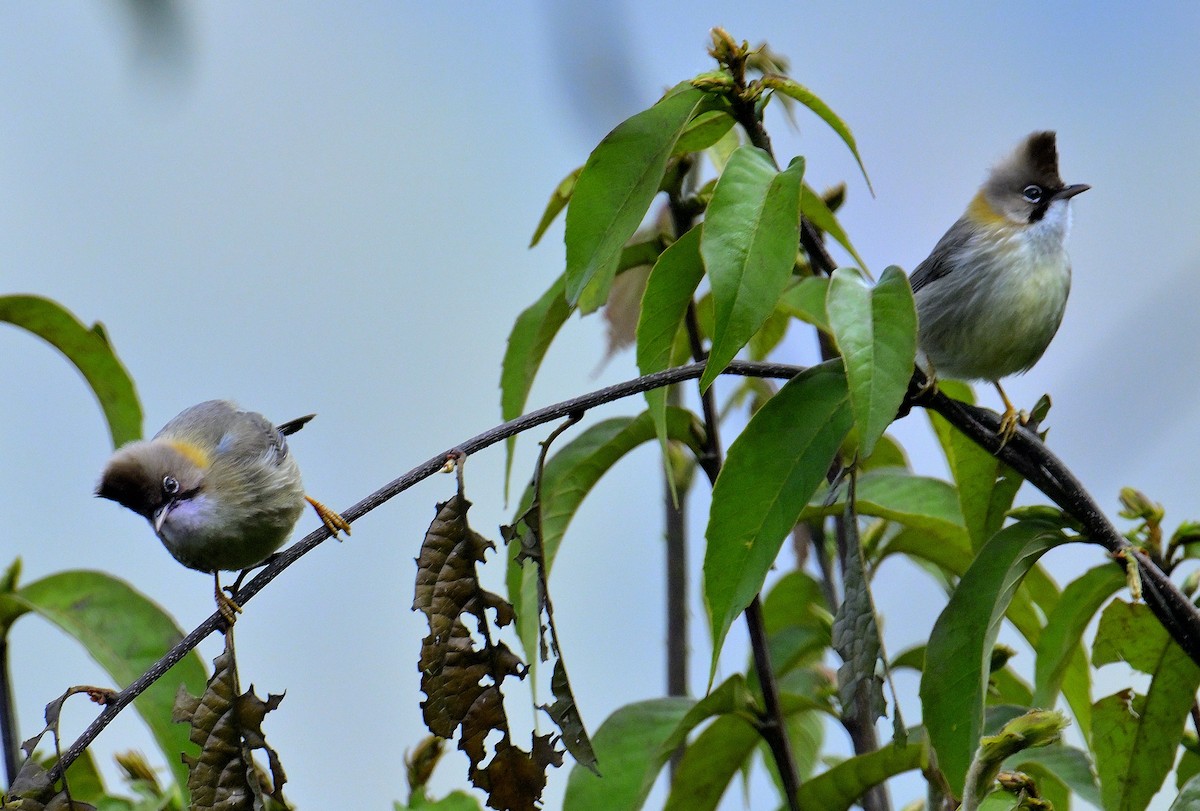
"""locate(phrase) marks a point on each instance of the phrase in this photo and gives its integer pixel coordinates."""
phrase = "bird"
(991, 294)
(219, 487)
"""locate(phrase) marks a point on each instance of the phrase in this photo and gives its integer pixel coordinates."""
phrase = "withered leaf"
(461, 675)
(527, 531)
(227, 726)
(565, 714)
(31, 789)
(514, 778)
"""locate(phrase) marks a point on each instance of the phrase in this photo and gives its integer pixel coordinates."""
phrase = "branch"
(281, 561)
(1025, 453)
(1029, 456)
(8, 719)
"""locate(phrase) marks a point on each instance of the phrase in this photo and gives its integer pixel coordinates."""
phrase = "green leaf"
(840, 787)
(710, 763)
(1064, 629)
(732, 696)
(888, 453)
(810, 100)
(813, 206)
(797, 621)
(769, 335)
(703, 131)
(916, 501)
(558, 201)
(1006, 687)
(748, 241)
(958, 658)
(125, 633)
(1070, 765)
(876, 332)
(1189, 796)
(999, 800)
(719, 153)
(795, 600)
(1187, 768)
(952, 554)
(568, 477)
(531, 335)
(986, 486)
(92, 355)
(773, 468)
(625, 744)
(615, 188)
(806, 301)
(454, 801)
(1135, 737)
(669, 291)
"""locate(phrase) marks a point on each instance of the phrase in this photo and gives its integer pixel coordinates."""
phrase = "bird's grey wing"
(204, 423)
(249, 437)
(938, 263)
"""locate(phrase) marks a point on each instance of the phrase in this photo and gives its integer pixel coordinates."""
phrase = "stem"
(675, 509)
(771, 726)
(8, 717)
(675, 495)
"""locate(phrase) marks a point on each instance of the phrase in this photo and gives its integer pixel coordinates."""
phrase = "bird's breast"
(996, 312)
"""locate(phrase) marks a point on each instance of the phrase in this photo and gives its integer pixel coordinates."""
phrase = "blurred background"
(326, 208)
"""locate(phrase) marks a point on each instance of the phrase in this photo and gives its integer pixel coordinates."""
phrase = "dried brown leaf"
(31, 789)
(623, 308)
(461, 678)
(527, 531)
(514, 778)
(227, 726)
(565, 715)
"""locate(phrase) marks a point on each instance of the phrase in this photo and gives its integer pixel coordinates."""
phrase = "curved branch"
(277, 563)
(1029, 456)
(1025, 453)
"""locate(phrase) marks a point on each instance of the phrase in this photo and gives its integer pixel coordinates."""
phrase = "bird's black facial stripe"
(1039, 210)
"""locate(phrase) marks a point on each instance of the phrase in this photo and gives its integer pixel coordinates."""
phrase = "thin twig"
(675, 492)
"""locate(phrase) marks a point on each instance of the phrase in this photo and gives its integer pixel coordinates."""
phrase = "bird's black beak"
(1071, 191)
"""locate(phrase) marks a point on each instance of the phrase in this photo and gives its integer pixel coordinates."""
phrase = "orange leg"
(225, 603)
(332, 520)
(1010, 418)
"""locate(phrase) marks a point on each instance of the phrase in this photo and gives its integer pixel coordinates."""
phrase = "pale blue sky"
(326, 208)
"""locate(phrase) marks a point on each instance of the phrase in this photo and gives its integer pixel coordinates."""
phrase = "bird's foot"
(332, 520)
(227, 607)
(1009, 421)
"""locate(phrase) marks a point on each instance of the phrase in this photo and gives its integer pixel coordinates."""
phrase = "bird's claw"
(332, 520)
(227, 607)
(1009, 421)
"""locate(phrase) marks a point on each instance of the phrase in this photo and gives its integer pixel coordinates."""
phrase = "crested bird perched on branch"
(992, 293)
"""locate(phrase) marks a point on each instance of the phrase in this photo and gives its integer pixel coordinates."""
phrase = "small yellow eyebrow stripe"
(193, 452)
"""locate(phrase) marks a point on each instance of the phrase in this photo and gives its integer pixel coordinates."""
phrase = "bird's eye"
(170, 485)
(1033, 193)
